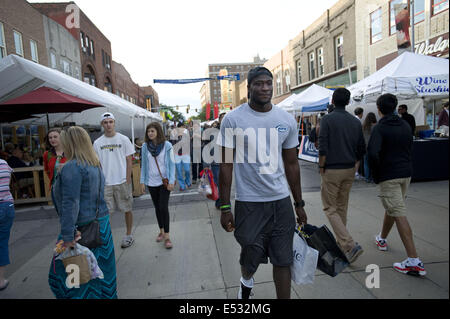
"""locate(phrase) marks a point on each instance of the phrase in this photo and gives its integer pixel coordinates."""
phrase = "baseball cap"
(107, 115)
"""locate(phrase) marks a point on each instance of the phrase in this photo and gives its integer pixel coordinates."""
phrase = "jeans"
(367, 174)
(6, 221)
(183, 163)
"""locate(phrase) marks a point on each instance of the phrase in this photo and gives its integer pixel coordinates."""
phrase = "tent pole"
(48, 124)
(132, 130)
(434, 114)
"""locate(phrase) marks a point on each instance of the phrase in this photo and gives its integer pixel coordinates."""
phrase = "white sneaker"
(381, 243)
(127, 241)
(406, 267)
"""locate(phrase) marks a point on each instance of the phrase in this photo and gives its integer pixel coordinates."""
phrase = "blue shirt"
(75, 194)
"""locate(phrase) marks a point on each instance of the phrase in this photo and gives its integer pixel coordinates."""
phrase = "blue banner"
(233, 77)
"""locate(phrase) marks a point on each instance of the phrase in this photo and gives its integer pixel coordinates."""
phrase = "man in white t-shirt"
(115, 153)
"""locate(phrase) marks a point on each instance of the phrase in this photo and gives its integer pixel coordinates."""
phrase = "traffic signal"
(177, 107)
(188, 107)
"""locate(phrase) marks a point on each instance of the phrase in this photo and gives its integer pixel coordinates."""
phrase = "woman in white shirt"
(158, 174)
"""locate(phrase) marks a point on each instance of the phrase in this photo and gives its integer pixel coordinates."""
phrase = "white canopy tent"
(314, 99)
(19, 76)
(413, 78)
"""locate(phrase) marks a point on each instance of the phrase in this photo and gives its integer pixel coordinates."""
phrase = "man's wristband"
(225, 207)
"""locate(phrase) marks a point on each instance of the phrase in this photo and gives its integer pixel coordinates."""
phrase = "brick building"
(22, 31)
(281, 66)
(95, 48)
(325, 52)
(226, 93)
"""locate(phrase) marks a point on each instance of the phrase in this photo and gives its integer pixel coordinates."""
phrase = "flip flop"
(6, 285)
(168, 244)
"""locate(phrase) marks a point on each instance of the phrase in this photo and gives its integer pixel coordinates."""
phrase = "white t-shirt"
(259, 178)
(112, 153)
(154, 179)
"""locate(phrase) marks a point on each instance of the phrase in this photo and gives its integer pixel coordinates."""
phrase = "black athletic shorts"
(265, 229)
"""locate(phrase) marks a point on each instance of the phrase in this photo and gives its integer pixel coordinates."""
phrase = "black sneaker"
(244, 292)
(353, 254)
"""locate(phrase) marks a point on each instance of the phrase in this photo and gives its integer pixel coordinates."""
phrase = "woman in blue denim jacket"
(76, 193)
(157, 164)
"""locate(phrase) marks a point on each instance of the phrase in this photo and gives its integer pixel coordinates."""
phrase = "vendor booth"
(417, 81)
(313, 100)
(21, 78)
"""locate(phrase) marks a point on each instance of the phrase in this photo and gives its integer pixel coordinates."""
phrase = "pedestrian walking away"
(115, 152)
(158, 174)
(403, 112)
(183, 157)
(78, 196)
(390, 149)
(54, 156)
(359, 113)
(264, 219)
(341, 146)
(6, 220)
(368, 125)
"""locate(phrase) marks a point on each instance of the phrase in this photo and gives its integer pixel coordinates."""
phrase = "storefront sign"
(436, 47)
(308, 151)
(431, 85)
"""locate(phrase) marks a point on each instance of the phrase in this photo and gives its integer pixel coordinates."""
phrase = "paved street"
(204, 260)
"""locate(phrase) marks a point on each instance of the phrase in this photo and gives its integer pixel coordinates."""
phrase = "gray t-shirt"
(258, 139)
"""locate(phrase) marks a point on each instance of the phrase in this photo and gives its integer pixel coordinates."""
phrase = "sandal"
(160, 238)
(168, 243)
(6, 285)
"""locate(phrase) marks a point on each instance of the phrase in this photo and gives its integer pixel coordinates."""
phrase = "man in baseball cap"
(107, 115)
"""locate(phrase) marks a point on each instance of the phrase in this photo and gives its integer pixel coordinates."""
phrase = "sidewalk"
(204, 262)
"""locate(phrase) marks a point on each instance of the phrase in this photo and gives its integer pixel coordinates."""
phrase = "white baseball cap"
(107, 115)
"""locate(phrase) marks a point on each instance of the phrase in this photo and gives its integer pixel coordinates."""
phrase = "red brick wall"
(19, 15)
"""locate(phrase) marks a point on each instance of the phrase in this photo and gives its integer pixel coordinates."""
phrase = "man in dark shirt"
(341, 145)
(403, 111)
(390, 148)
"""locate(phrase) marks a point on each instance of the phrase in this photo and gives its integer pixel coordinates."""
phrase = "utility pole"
(412, 25)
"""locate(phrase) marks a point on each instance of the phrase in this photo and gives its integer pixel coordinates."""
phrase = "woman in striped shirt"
(6, 219)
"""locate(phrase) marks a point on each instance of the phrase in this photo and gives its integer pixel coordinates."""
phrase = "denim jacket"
(169, 163)
(75, 194)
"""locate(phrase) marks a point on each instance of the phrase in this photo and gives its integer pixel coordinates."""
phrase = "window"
(279, 83)
(103, 58)
(438, 6)
(92, 49)
(2, 42)
(34, 51)
(339, 51)
(82, 39)
(299, 72)
(76, 72)
(312, 66)
(18, 43)
(66, 67)
(419, 11)
(375, 26)
(287, 78)
(86, 44)
(53, 63)
(320, 62)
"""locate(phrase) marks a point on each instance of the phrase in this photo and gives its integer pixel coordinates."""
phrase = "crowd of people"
(89, 181)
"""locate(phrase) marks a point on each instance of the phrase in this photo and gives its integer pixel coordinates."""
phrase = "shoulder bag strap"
(157, 165)
(99, 190)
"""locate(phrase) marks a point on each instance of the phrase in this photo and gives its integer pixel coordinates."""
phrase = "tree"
(177, 116)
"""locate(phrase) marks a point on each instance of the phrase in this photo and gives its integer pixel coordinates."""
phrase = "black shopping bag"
(332, 260)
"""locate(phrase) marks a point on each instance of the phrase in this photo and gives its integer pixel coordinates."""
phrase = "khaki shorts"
(392, 194)
(119, 196)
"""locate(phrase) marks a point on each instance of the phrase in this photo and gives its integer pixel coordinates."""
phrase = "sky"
(177, 39)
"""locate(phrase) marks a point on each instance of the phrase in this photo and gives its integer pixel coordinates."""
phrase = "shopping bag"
(204, 188)
(304, 266)
(214, 190)
(332, 260)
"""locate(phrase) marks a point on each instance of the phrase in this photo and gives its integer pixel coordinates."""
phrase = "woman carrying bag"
(78, 197)
(158, 174)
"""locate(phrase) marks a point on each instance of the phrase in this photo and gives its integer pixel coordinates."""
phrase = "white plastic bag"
(95, 270)
(304, 266)
(204, 188)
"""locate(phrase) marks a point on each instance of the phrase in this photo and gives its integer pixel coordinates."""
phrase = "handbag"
(165, 181)
(90, 233)
(304, 266)
(331, 260)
